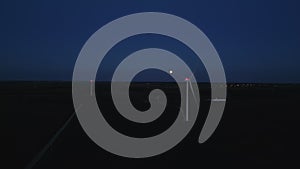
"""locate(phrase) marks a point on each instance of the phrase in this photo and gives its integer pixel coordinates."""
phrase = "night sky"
(258, 41)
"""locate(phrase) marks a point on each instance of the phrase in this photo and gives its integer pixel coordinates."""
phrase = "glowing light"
(187, 79)
(171, 71)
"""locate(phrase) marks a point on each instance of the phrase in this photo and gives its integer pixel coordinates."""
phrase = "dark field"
(259, 128)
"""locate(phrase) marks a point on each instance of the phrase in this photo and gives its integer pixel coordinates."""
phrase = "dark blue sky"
(258, 41)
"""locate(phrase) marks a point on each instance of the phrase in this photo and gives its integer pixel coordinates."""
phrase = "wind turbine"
(188, 86)
(91, 87)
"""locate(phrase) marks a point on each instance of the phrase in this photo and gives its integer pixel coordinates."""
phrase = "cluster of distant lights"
(229, 85)
(242, 85)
